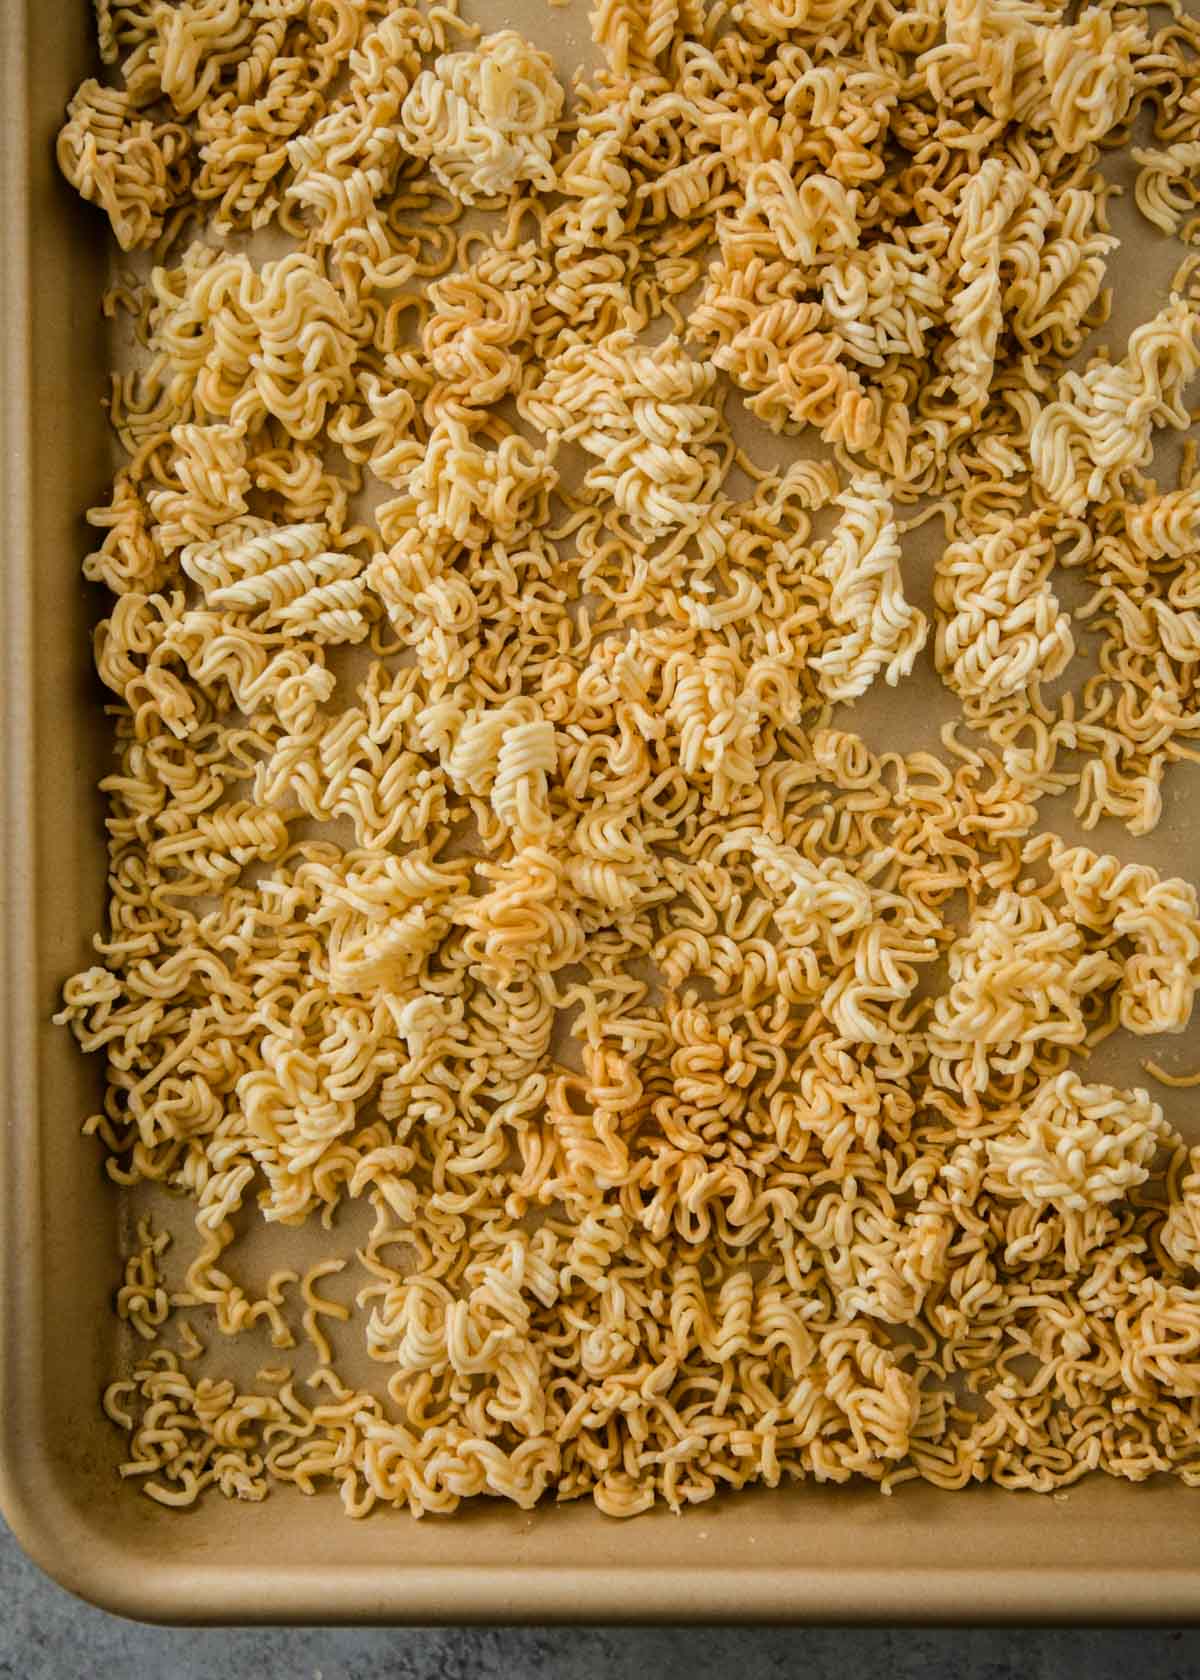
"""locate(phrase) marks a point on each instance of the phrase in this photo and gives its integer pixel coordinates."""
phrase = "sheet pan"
(1106, 1551)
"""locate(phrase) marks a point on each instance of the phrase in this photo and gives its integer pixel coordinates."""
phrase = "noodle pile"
(485, 848)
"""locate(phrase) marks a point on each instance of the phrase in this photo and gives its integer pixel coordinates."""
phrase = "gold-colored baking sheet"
(1106, 1550)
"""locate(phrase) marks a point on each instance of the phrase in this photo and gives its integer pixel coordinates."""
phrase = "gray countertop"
(47, 1635)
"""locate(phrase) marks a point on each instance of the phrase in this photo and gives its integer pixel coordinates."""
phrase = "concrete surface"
(47, 1635)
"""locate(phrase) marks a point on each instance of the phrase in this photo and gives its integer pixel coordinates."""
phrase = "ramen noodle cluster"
(493, 854)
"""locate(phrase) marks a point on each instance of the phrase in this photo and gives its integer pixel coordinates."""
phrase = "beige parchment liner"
(1107, 1550)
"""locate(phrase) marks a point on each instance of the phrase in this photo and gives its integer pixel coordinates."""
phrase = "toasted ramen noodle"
(1165, 188)
(486, 118)
(485, 851)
